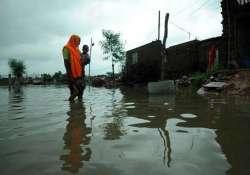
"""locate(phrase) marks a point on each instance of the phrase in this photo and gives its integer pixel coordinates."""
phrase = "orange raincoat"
(75, 57)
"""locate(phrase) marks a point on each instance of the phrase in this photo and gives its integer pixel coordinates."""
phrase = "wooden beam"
(165, 30)
(163, 50)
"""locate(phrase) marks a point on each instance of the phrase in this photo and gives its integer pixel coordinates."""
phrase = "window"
(134, 58)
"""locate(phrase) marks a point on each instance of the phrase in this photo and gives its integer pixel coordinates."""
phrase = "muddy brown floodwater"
(122, 131)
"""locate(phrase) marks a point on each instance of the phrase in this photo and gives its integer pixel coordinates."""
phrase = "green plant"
(46, 77)
(199, 77)
(17, 67)
(112, 47)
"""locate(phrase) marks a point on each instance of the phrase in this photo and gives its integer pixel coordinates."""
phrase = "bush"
(17, 67)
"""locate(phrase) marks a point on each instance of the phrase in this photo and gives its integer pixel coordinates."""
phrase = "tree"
(46, 77)
(58, 76)
(113, 48)
(17, 67)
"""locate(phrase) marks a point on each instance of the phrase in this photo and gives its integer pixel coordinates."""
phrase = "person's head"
(85, 48)
(74, 40)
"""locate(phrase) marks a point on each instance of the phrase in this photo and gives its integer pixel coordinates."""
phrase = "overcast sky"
(36, 30)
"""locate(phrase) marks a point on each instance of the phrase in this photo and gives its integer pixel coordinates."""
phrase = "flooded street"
(122, 131)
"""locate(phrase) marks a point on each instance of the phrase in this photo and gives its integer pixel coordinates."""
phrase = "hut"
(143, 64)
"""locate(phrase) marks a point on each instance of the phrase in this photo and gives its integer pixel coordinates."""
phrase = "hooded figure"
(72, 62)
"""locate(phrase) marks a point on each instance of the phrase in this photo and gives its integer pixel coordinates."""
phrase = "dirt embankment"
(238, 83)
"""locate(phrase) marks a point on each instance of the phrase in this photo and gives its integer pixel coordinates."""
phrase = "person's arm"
(66, 58)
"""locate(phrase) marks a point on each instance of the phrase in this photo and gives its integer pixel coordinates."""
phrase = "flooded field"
(122, 132)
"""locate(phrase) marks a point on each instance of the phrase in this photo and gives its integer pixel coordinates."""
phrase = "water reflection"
(233, 133)
(76, 139)
(183, 137)
(167, 145)
(16, 97)
(16, 105)
(115, 129)
(124, 132)
(153, 109)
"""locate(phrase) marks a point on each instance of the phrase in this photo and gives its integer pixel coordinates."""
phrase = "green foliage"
(58, 75)
(17, 67)
(110, 74)
(46, 77)
(198, 78)
(112, 46)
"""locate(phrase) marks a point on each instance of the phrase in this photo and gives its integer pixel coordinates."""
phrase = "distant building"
(189, 57)
(143, 64)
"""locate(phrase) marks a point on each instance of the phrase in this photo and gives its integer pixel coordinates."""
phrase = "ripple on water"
(130, 107)
(128, 104)
(17, 118)
(151, 116)
(188, 115)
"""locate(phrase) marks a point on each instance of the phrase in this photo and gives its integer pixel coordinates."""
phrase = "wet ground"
(122, 131)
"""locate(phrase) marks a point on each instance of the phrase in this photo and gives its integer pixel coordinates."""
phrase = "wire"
(202, 5)
(195, 10)
(184, 30)
(184, 9)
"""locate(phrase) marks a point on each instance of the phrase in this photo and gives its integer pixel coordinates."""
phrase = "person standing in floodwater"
(85, 59)
(73, 66)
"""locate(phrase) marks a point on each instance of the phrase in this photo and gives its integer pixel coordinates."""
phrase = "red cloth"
(211, 57)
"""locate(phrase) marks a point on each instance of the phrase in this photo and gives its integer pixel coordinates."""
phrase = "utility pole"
(90, 52)
(159, 24)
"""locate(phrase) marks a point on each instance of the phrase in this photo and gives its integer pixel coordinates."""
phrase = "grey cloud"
(34, 21)
(36, 30)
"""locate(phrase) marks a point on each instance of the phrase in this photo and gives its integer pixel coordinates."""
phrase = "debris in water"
(188, 115)
(151, 116)
(130, 107)
(130, 103)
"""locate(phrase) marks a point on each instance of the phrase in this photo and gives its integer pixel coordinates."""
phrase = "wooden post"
(163, 50)
(165, 30)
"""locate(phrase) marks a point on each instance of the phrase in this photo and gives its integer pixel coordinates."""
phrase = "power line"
(184, 30)
(187, 7)
(195, 10)
(201, 6)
